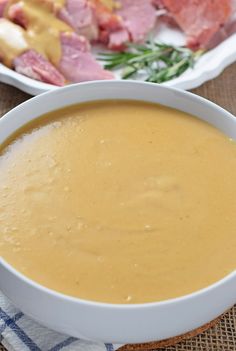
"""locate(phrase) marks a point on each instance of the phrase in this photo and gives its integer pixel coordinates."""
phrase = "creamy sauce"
(42, 31)
(121, 202)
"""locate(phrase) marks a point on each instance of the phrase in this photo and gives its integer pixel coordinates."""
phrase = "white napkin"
(20, 333)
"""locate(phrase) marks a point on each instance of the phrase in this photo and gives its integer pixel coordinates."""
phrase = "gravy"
(42, 31)
(119, 201)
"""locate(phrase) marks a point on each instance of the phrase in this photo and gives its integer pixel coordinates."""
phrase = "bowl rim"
(72, 299)
(92, 303)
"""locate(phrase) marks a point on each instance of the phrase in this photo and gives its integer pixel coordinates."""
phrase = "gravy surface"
(119, 201)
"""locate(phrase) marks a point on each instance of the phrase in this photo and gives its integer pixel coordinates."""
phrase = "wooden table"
(221, 90)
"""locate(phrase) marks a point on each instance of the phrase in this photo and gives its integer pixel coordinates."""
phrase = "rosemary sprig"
(159, 62)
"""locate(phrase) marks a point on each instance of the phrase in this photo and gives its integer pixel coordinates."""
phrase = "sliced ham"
(16, 53)
(90, 18)
(78, 14)
(132, 21)
(225, 31)
(118, 39)
(112, 31)
(96, 21)
(139, 17)
(199, 19)
(34, 65)
(77, 63)
(106, 17)
(81, 16)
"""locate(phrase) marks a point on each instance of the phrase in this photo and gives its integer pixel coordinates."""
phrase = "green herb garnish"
(158, 62)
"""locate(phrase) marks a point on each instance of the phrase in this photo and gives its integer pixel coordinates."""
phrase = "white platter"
(209, 66)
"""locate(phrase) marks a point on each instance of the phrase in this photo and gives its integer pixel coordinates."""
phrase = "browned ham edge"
(34, 65)
(199, 19)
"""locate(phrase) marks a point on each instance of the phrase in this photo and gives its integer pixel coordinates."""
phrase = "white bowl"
(111, 322)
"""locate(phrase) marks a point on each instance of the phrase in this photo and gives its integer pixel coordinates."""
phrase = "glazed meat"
(111, 27)
(77, 63)
(199, 19)
(67, 51)
(81, 16)
(139, 18)
(15, 52)
(133, 21)
(35, 66)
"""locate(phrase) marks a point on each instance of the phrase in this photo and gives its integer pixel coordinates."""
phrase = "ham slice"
(225, 31)
(97, 22)
(77, 63)
(139, 17)
(89, 18)
(81, 16)
(34, 65)
(199, 19)
(78, 14)
(118, 39)
(16, 53)
(132, 21)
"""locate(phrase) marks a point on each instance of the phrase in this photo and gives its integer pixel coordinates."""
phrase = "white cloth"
(20, 333)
